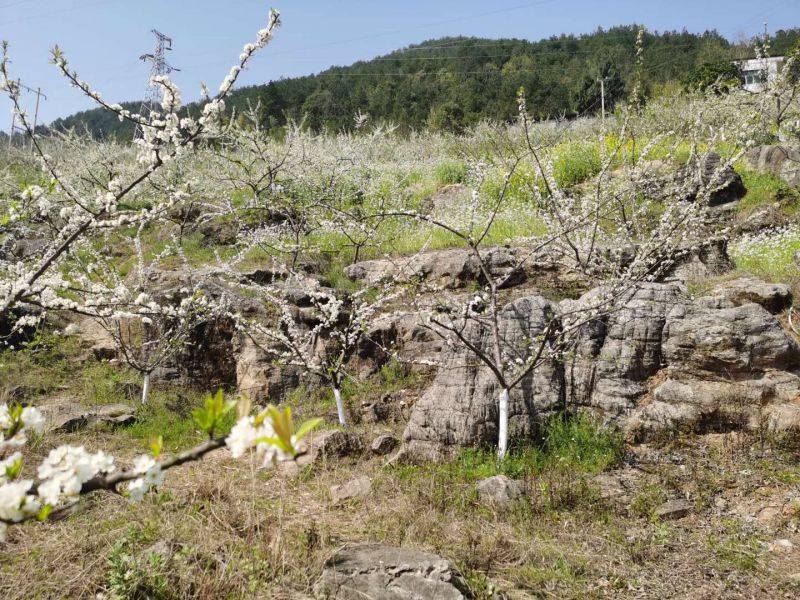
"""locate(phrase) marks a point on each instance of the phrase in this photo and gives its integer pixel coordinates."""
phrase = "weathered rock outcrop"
(614, 356)
(700, 262)
(729, 367)
(452, 268)
(382, 572)
(775, 297)
(460, 408)
(706, 173)
(660, 361)
(259, 377)
(782, 161)
(68, 415)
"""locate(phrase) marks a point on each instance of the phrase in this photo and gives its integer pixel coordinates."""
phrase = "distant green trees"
(452, 83)
(723, 75)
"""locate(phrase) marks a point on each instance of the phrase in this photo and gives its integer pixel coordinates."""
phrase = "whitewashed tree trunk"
(339, 406)
(502, 438)
(146, 388)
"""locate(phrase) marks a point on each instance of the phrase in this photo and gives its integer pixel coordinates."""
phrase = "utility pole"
(19, 128)
(159, 66)
(603, 97)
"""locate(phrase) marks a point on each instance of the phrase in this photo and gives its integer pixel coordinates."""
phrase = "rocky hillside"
(653, 450)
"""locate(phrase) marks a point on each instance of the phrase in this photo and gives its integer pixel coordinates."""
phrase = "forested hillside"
(454, 82)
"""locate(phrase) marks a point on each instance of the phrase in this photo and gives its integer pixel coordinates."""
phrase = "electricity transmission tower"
(159, 66)
(19, 129)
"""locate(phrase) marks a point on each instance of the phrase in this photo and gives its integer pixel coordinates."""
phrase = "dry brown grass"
(225, 533)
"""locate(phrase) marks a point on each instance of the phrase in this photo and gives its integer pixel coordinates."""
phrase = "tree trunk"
(339, 406)
(502, 438)
(146, 388)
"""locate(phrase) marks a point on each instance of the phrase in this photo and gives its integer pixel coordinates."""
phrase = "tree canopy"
(454, 82)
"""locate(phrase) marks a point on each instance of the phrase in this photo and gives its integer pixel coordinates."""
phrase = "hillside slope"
(453, 82)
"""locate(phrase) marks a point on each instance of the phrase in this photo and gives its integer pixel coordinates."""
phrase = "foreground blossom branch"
(69, 472)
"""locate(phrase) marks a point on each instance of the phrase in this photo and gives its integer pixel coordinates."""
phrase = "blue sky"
(104, 38)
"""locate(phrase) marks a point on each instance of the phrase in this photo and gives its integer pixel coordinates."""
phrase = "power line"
(23, 129)
(72, 8)
(10, 4)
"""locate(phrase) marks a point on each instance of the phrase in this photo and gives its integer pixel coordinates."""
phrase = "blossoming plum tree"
(320, 338)
(72, 207)
(614, 230)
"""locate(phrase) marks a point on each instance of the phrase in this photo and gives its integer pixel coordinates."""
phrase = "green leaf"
(277, 442)
(13, 470)
(307, 427)
(282, 424)
(44, 512)
(156, 444)
(214, 409)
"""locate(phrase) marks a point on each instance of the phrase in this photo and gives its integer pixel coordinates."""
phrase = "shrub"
(450, 172)
(576, 163)
(136, 578)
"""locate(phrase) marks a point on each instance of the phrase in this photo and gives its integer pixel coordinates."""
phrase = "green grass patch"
(168, 414)
(42, 365)
(574, 444)
(736, 547)
(450, 172)
(764, 189)
(769, 254)
(576, 162)
(561, 571)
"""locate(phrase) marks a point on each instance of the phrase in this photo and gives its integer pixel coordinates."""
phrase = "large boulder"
(460, 408)
(614, 356)
(706, 177)
(781, 161)
(209, 359)
(775, 297)
(258, 376)
(382, 572)
(729, 367)
(452, 268)
(657, 361)
(67, 415)
(727, 341)
(403, 333)
(700, 262)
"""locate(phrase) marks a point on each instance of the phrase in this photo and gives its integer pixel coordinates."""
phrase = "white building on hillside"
(758, 71)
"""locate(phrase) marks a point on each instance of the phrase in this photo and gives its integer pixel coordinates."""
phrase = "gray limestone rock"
(499, 490)
(782, 161)
(382, 572)
(322, 446)
(614, 356)
(775, 297)
(384, 444)
(673, 509)
(461, 407)
(729, 367)
(69, 416)
(706, 177)
(354, 489)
